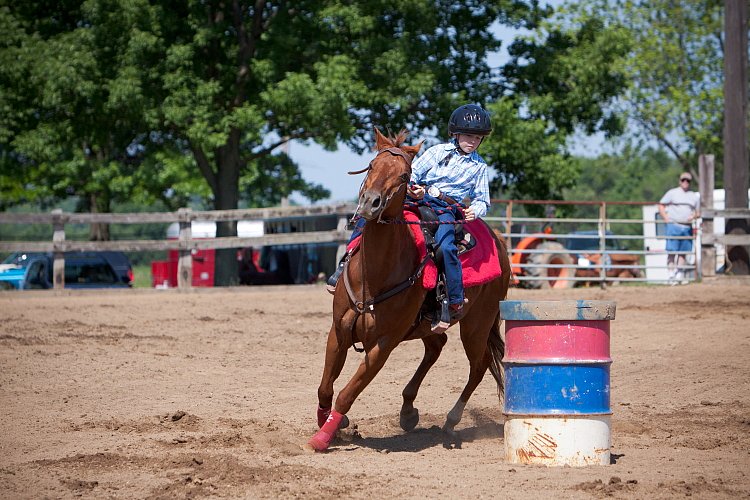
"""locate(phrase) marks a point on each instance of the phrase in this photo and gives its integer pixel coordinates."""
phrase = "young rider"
(450, 173)
(443, 176)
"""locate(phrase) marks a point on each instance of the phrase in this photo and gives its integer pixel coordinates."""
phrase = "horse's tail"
(495, 342)
(496, 349)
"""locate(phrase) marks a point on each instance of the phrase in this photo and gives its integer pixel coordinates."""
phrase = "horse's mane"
(397, 140)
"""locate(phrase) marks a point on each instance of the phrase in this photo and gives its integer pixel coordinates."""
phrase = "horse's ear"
(381, 141)
(413, 150)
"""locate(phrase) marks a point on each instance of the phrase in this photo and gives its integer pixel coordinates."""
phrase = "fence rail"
(534, 266)
(568, 256)
(185, 244)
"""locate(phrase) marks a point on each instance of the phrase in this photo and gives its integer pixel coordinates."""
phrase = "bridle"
(364, 305)
(404, 177)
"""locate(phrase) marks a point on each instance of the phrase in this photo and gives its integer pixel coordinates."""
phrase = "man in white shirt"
(679, 208)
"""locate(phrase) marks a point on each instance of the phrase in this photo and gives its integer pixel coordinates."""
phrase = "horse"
(378, 305)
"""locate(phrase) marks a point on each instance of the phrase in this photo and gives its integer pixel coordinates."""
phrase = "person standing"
(679, 208)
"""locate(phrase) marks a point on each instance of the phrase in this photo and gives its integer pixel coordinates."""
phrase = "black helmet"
(470, 119)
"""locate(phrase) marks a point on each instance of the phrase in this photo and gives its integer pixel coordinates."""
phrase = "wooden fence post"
(602, 245)
(509, 226)
(185, 261)
(706, 189)
(341, 250)
(58, 238)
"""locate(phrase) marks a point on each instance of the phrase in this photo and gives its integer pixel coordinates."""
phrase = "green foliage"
(562, 79)
(130, 100)
(632, 176)
(73, 98)
(540, 171)
(674, 71)
(570, 74)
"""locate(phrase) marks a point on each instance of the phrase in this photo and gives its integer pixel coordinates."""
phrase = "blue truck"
(32, 270)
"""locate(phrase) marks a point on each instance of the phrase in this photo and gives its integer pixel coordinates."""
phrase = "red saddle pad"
(480, 264)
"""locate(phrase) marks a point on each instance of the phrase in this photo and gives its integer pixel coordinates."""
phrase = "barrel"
(557, 366)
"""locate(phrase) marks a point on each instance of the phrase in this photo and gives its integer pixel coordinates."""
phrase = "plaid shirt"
(463, 176)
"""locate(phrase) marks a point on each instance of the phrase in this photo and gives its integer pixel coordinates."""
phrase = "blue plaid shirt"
(463, 176)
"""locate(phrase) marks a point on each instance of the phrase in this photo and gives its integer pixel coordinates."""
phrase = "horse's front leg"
(334, 363)
(433, 346)
(375, 357)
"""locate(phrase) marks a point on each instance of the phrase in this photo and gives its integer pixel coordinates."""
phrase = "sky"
(330, 168)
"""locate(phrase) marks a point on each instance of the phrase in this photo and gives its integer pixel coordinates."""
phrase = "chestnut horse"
(377, 304)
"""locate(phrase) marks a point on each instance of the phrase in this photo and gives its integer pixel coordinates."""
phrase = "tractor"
(553, 262)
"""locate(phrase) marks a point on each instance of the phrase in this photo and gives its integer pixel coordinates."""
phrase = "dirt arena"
(159, 394)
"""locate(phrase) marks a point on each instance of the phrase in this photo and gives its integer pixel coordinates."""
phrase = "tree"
(674, 94)
(72, 105)
(561, 80)
(240, 80)
(81, 90)
(156, 95)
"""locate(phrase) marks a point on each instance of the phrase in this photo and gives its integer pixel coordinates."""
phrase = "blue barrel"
(557, 393)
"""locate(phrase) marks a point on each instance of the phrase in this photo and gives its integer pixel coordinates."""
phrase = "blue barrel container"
(556, 364)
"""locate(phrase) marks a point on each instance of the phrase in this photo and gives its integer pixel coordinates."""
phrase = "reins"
(361, 306)
(397, 152)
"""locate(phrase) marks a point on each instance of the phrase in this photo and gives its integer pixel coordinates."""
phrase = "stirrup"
(334, 278)
(443, 322)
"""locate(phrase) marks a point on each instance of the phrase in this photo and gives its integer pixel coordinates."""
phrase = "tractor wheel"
(555, 255)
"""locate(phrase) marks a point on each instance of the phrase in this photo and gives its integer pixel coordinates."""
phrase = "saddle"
(478, 254)
(436, 306)
(464, 240)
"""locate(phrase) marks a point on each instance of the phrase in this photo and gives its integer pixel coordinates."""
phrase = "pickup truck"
(28, 271)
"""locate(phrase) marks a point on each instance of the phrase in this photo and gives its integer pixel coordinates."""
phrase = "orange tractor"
(546, 262)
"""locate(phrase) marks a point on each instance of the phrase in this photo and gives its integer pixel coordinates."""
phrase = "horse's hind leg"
(433, 346)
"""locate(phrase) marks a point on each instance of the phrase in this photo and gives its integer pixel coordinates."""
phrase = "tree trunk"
(98, 203)
(736, 168)
(226, 197)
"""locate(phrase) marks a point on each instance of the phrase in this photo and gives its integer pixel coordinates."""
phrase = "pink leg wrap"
(323, 415)
(322, 439)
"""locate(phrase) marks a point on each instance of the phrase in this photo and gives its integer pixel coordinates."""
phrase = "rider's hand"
(469, 214)
(416, 191)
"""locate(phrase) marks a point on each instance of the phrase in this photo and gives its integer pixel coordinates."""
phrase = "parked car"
(26, 271)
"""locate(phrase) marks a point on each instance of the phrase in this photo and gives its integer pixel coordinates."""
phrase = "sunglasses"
(685, 180)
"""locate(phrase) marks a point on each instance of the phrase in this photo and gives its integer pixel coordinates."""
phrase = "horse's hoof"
(308, 448)
(344, 422)
(409, 420)
(319, 442)
(449, 430)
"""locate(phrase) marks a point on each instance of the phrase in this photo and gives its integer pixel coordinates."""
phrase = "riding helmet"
(470, 119)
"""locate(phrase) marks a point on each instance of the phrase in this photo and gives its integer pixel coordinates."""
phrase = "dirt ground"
(211, 393)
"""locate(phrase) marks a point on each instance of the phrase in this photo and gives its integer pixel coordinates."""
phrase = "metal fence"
(562, 252)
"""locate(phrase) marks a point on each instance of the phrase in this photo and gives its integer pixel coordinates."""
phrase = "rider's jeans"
(446, 237)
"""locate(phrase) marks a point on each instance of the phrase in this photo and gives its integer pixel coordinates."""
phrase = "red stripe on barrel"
(546, 340)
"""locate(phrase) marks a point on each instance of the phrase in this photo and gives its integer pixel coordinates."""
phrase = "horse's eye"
(405, 177)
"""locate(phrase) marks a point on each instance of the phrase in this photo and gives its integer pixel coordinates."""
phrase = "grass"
(142, 276)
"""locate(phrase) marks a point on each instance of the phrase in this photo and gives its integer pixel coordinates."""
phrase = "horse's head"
(384, 189)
